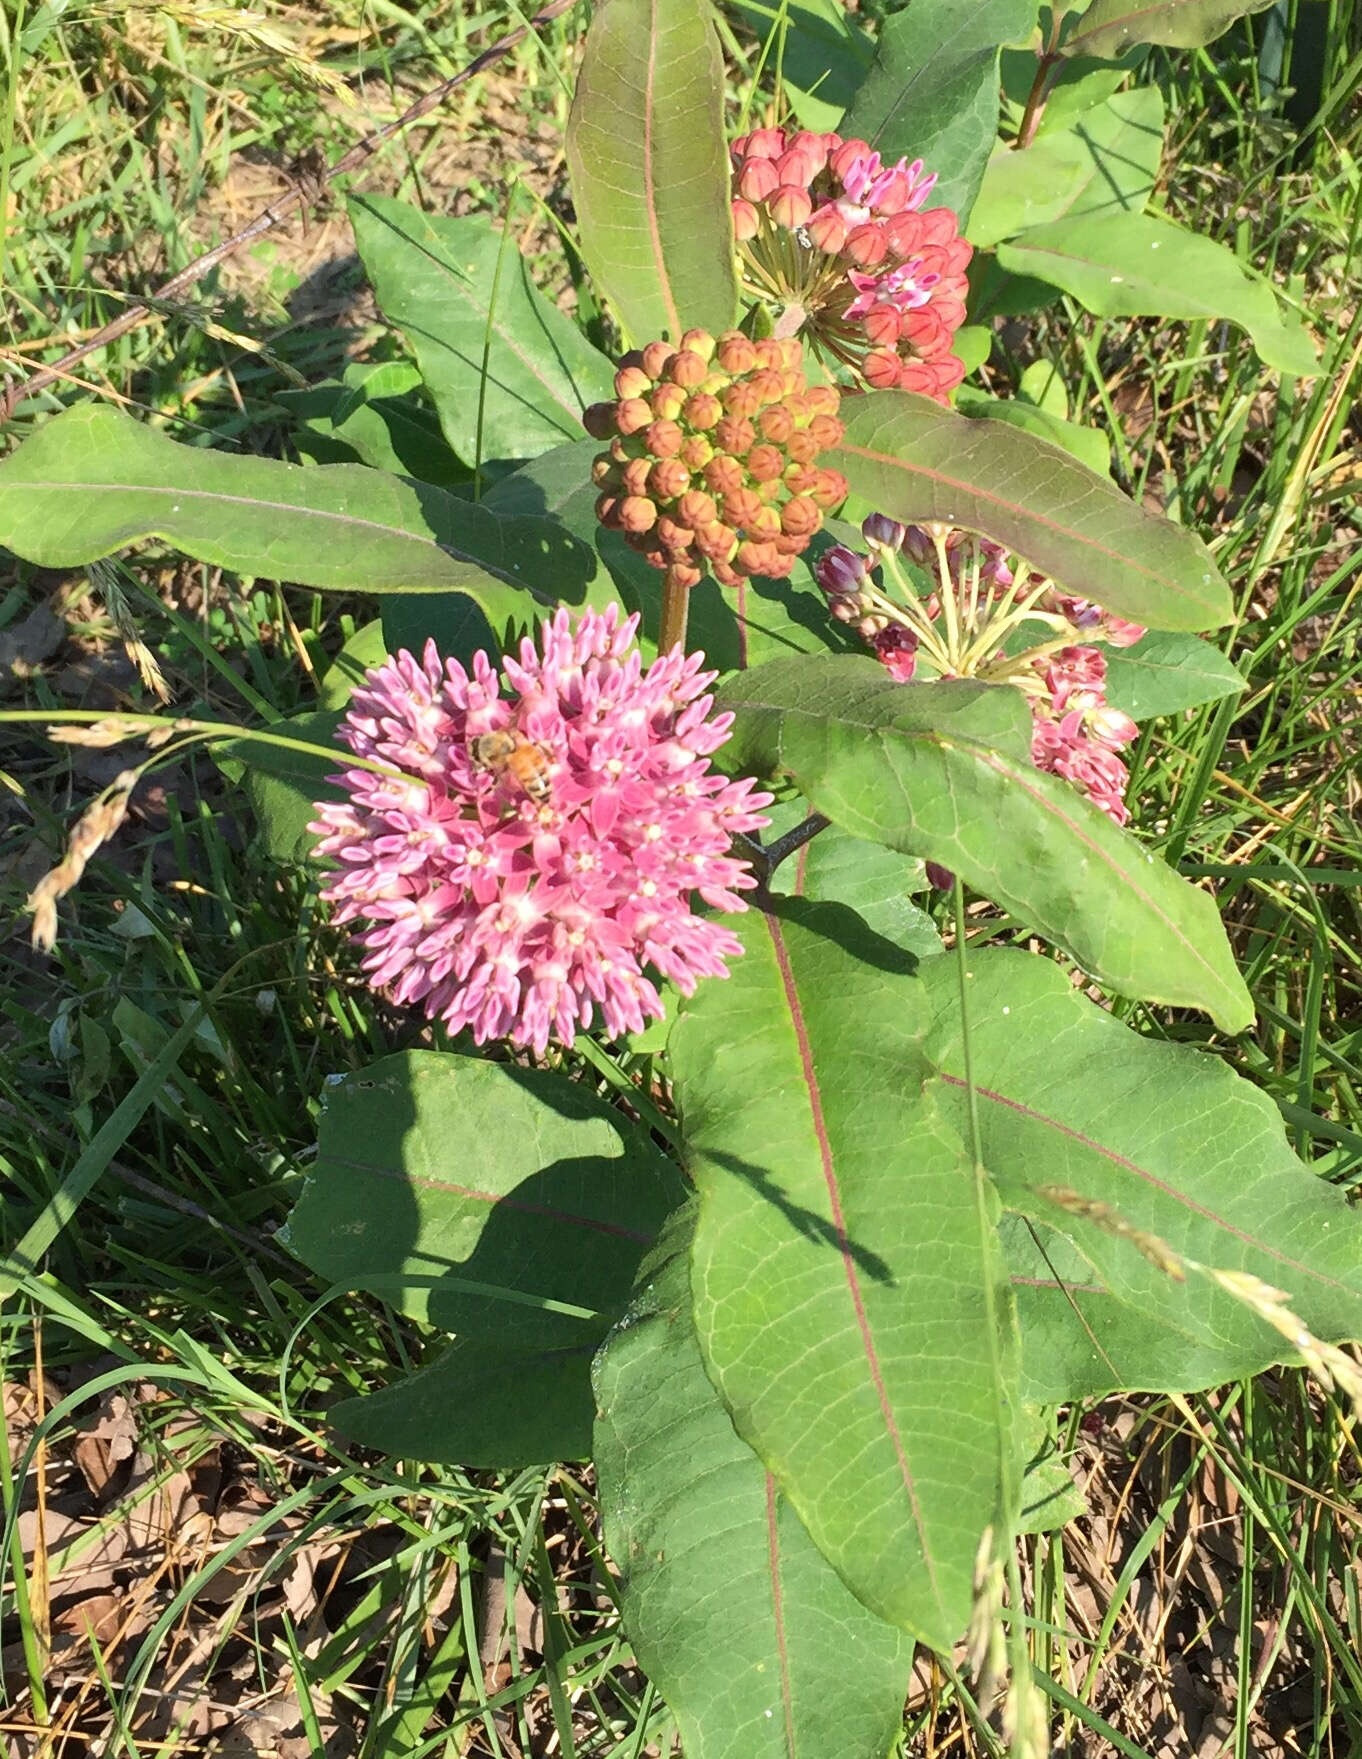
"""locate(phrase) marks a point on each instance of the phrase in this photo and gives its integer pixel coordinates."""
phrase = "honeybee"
(509, 755)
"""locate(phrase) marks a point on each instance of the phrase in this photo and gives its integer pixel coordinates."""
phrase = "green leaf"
(1072, 86)
(648, 159)
(1109, 27)
(479, 1404)
(1108, 161)
(378, 416)
(932, 93)
(367, 647)
(1175, 1144)
(874, 881)
(733, 1613)
(1049, 1497)
(507, 1204)
(822, 56)
(91, 481)
(1091, 448)
(1165, 672)
(841, 1264)
(1137, 265)
(284, 786)
(916, 462)
(943, 770)
(508, 372)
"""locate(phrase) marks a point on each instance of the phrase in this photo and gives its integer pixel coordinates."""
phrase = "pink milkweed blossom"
(842, 245)
(524, 912)
(966, 620)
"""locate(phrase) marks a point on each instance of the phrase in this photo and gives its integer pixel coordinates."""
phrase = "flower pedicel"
(536, 855)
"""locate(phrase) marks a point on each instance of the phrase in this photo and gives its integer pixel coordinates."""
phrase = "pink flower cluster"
(830, 232)
(1075, 732)
(535, 853)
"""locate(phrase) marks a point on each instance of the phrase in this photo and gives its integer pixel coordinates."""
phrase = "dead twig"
(304, 191)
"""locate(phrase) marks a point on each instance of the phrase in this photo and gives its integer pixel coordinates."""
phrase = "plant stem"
(675, 608)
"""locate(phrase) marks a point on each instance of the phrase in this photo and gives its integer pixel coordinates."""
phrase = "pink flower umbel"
(841, 245)
(952, 599)
(537, 853)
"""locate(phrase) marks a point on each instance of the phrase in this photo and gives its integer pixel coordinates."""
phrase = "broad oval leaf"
(481, 1403)
(648, 159)
(503, 1203)
(283, 784)
(847, 1284)
(1109, 27)
(932, 93)
(915, 461)
(93, 481)
(1091, 448)
(821, 52)
(1166, 672)
(943, 770)
(1137, 265)
(758, 1648)
(1108, 159)
(1174, 1144)
(508, 372)
(873, 881)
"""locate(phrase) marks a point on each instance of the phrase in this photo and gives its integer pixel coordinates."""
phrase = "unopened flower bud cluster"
(841, 245)
(713, 456)
(960, 623)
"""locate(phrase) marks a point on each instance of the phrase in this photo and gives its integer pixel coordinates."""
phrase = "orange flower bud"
(607, 509)
(822, 399)
(735, 353)
(741, 400)
(768, 386)
(687, 369)
(696, 452)
(655, 358)
(667, 402)
(632, 414)
(801, 447)
(675, 539)
(726, 574)
(684, 574)
(717, 542)
(668, 480)
(755, 558)
(702, 410)
(637, 513)
(830, 490)
(776, 423)
(664, 439)
(723, 474)
(696, 508)
(825, 431)
(801, 518)
(740, 509)
(634, 476)
(699, 342)
(765, 462)
(735, 437)
(632, 381)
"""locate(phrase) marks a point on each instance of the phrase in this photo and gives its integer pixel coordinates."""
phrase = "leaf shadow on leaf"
(805, 1222)
(849, 930)
(536, 553)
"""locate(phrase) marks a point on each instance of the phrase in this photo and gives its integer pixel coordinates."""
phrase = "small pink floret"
(529, 919)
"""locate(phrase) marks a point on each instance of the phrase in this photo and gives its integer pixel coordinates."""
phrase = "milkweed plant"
(738, 782)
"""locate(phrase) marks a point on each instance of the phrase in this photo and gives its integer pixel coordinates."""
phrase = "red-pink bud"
(745, 224)
(866, 245)
(790, 206)
(847, 154)
(881, 369)
(828, 230)
(758, 180)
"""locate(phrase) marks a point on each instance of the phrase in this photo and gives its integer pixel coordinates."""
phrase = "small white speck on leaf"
(1116, 279)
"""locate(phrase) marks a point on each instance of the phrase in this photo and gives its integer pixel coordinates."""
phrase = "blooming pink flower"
(520, 900)
(828, 231)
